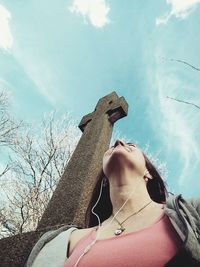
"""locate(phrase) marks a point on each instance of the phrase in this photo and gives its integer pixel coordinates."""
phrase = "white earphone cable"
(98, 232)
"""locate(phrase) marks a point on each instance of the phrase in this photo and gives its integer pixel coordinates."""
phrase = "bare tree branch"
(6, 169)
(8, 126)
(38, 162)
(186, 63)
(185, 102)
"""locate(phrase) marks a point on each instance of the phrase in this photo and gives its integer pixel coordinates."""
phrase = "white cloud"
(94, 11)
(6, 38)
(40, 74)
(175, 128)
(178, 122)
(179, 8)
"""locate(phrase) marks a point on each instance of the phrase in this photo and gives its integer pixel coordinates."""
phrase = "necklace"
(120, 230)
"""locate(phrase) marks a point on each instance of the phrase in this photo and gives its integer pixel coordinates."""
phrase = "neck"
(132, 186)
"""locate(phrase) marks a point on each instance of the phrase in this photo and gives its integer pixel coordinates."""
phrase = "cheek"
(105, 165)
(139, 160)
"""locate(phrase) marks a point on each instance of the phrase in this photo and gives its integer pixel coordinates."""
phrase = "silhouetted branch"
(185, 102)
(38, 162)
(186, 63)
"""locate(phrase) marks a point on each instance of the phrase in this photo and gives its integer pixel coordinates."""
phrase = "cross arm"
(118, 110)
(85, 120)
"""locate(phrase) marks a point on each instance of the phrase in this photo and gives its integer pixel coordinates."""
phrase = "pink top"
(151, 246)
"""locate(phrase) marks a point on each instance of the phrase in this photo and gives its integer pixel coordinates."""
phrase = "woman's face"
(123, 154)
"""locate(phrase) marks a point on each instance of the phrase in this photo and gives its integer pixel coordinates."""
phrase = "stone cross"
(70, 199)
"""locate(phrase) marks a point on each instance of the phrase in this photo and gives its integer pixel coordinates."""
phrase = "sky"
(65, 55)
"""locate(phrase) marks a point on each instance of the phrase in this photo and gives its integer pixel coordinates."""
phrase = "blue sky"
(65, 55)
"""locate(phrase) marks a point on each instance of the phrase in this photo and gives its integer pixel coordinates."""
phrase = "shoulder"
(80, 232)
(195, 202)
(77, 235)
(192, 204)
(50, 247)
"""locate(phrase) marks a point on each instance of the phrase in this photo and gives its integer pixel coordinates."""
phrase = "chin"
(117, 162)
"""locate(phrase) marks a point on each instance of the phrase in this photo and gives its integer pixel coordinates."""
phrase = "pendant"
(119, 231)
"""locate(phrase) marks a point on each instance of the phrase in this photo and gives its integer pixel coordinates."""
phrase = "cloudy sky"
(67, 54)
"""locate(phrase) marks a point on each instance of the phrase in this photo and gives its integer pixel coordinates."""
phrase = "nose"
(119, 142)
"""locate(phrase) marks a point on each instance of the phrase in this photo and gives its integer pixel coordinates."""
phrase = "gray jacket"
(183, 214)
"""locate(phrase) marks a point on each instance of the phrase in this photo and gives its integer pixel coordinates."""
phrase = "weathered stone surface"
(15, 250)
(70, 199)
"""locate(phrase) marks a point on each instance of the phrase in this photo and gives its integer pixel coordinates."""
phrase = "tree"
(8, 126)
(38, 160)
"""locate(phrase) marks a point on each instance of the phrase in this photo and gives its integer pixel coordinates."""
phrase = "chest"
(136, 248)
(133, 225)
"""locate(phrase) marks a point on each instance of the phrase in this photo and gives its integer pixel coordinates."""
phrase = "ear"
(147, 174)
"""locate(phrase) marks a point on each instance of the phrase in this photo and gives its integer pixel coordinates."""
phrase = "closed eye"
(131, 144)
